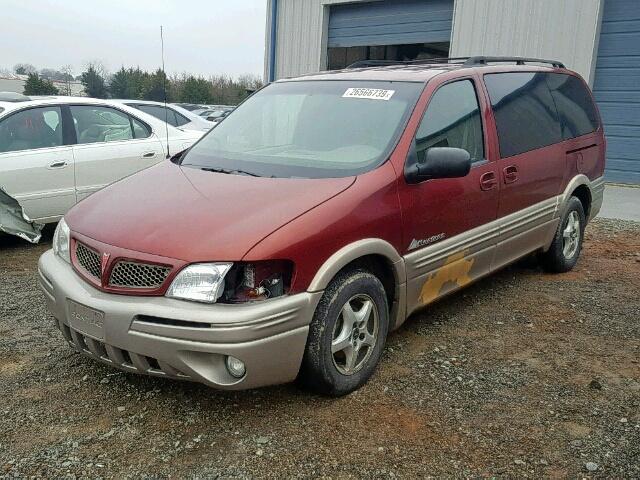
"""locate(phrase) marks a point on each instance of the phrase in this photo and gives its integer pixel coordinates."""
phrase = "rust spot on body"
(455, 269)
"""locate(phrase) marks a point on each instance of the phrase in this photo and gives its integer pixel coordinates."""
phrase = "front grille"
(138, 275)
(88, 259)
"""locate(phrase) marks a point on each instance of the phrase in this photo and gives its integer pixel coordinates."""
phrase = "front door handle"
(510, 174)
(488, 181)
(148, 154)
(58, 165)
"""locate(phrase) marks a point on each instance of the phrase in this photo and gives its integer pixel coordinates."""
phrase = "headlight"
(201, 282)
(61, 240)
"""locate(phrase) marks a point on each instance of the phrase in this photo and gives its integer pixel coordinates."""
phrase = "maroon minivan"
(323, 212)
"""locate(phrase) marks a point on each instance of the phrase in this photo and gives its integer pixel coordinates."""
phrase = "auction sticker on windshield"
(370, 93)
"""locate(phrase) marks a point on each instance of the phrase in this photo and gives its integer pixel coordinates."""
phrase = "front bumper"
(184, 340)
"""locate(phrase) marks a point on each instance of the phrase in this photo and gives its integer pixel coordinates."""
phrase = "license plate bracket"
(86, 320)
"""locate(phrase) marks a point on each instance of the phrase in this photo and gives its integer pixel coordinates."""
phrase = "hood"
(194, 215)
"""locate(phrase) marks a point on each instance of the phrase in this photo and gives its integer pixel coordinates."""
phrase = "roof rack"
(475, 61)
(481, 60)
(425, 61)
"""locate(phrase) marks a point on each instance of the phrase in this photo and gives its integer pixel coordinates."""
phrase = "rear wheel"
(567, 242)
(347, 334)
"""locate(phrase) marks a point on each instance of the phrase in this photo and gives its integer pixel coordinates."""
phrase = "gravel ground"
(523, 374)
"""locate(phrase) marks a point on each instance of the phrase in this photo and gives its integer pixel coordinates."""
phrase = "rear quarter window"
(578, 115)
(524, 110)
(180, 119)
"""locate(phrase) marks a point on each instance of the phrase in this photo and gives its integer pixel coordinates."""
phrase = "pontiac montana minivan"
(324, 211)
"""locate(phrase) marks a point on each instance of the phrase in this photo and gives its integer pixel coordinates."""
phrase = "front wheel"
(567, 242)
(347, 334)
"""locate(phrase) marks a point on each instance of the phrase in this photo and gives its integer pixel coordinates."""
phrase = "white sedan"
(55, 151)
(173, 114)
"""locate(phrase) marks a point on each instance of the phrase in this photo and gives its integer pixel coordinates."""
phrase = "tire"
(326, 367)
(567, 241)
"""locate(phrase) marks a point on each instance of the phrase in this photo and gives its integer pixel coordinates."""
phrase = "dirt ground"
(523, 374)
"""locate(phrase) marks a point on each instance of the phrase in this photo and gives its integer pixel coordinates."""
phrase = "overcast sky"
(201, 37)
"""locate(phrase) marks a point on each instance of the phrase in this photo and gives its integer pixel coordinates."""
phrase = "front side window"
(95, 124)
(310, 129)
(30, 129)
(452, 119)
(578, 114)
(525, 113)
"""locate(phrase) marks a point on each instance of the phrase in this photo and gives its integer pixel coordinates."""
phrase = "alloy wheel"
(571, 235)
(355, 334)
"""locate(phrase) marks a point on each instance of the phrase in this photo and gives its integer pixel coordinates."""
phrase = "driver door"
(447, 222)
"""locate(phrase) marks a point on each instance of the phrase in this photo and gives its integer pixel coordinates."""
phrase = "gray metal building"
(600, 39)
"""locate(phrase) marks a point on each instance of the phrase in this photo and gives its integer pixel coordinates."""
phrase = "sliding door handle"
(510, 174)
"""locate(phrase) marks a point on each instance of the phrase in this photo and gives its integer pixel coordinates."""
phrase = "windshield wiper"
(229, 171)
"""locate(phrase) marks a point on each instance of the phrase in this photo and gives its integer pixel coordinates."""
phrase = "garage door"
(617, 88)
(390, 22)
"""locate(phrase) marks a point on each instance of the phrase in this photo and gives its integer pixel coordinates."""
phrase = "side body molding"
(463, 258)
(359, 249)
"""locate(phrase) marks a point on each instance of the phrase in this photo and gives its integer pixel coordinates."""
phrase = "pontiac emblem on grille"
(103, 263)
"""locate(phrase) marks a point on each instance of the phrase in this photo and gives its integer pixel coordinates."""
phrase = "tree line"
(135, 83)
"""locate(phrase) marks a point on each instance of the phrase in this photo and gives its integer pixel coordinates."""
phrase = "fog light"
(235, 367)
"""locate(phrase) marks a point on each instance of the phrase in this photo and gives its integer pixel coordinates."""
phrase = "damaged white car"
(55, 151)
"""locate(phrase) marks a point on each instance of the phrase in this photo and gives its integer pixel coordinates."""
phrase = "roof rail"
(476, 61)
(424, 61)
(481, 60)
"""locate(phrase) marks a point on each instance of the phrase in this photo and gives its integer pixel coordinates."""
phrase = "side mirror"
(438, 162)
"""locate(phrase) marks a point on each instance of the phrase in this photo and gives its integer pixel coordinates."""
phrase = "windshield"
(310, 129)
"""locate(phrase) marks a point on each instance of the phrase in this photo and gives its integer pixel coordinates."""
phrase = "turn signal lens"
(250, 282)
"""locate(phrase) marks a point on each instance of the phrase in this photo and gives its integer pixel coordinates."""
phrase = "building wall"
(565, 30)
(301, 36)
(17, 85)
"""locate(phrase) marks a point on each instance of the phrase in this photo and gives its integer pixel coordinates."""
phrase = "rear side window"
(525, 113)
(31, 129)
(160, 113)
(180, 119)
(140, 130)
(96, 124)
(578, 114)
(452, 119)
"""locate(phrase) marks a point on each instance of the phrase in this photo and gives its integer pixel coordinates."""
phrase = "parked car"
(172, 114)
(205, 112)
(190, 106)
(328, 208)
(55, 151)
(216, 116)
